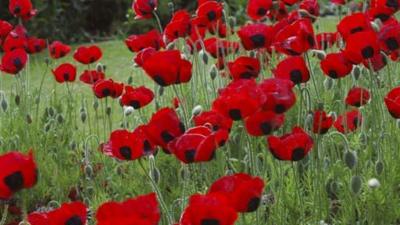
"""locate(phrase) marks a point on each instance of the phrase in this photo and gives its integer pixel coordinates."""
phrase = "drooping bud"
(128, 110)
(197, 110)
(328, 83)
(203, 56)
(355, 184)
(379, 166)
(213, 72)
(350, 159)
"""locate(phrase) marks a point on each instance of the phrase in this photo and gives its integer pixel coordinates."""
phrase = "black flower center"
(14, 181)
(125, 152)
(261, 11)
(211, 16)
(333, 74)
(210, 222)
(392, 43)
(66, 76)
(17, 63)
(135, 104)
(266, 128)
(235, 114)
(189, 155)
(159, 80)
(298, 154)
(295, 76)
(75, 220)
(167, 137)
(367, 52)
(253, 204)
(106, 92)
(258, 40)
(280, 108)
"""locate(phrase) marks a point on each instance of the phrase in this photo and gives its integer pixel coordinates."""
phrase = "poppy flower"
(143, 55)
(348, 122)
(197, 144)
(88, 55)
(376, 63)
(290, 2)
(17, 38)
(279, 94)
(143, 210)
(58, 50)
(293, 146)
(338, 2)
(293, 68)
(321, 122)
(91, 76)
(137, 97)
(394, 4)
(214, 119)
(295, 38)
(137, 42)
(210, 10)
(14, 61)
(17, 171)
(254, 36)
(5, 28)
(264, 123)
(352, 24)
(179, 26)
(220, 29)
(168, 68)
(326, 40)
(35, 45)
(126, 145)
(107, 88)
(392, 102)
(65, 73)
(278, 13)
(164, 127)
(144, 8)
(335, 65)
(244, 68)
(382, 13)
(243, 191)
(257, 9)
(239, 99)
(209, 209)
(357, 96)
(21, 8)
(311, 6)
(74, 213)
(219, 48)
(361, 46)
(389, 38)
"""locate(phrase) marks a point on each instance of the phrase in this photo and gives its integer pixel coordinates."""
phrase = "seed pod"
(108, 110)
(17, 100)
(328, 83)
(350, 158)
(28, 119)
(197, 110)
(213, 72)
(83, 116)
(4, 104)
(356, 183)
(373, 183)
(379, 166)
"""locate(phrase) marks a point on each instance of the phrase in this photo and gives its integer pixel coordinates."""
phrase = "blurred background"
(96, 20)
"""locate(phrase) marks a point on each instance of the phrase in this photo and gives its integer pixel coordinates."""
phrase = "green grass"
(317, 188)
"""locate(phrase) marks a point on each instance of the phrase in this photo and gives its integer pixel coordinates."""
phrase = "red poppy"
(361, 46)
(321, 122)
(243, 191)
(293, 68)
(142, 210)
(137, 97)
(394, 4)
(35, 45)
(326, 40)
(254, 36)
(293, 146)
(21, 8)
(164, 127)
(91, 76)
(17, 38)
(290, 2)
(352, 24)
(65, 73)
(376, 63)
(197, 144)
(389, 38)
(143, 55)
(88, 55)
(335, 65)
(211, 11)
(14, 61)
(74, 213)
(144, 8)
(179, 26)
(209, 209)
(311, 6)
(264, 123)
(244, 68)
(219, 48)
(239, 99)
(220, 28)
(295, 38)
(5, 28)
(338, 2)
(357, 96)
(382, 13)
(257, 9)
(279, 94)
(58, 50)
(214, 119)
(137, 42)
(17, 171)
(107, 88)
(392, 102)
(176, 102)
(279, 13)
(348, 122)
(126, 145)
(168, 68)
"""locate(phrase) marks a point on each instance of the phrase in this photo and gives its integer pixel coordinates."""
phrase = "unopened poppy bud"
(4, 104)
(204, 57)
(37, 100)
(213, 72)
(183, 173)
(17, 99)
(130, 80)
(197, 110)
(229, 172)
(95, 105)
(363, 139)
(253, 54)
(379, 167)
(356, 72)
(28, 119)
(171, 6)
(355, 184)
(128, 110)
(309, 120)
(73, 145)
(398, 123)
(108, 110)
(99, 68)
(155, 175)
(232, 22)
(88, 171)
(320, 54)
(333, 115)
(50, 111)
(47, 61)
(83, 116)
(161, 91)
(171, 46)
(328, 83)
(373, 183)
(350, 158)
(60, 118)
(47, 127)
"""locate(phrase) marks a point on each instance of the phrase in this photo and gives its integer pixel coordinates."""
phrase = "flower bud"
(128, 110)
(17, 100)
(130, 80)
(96, 104)
(350, 159)
(373, 183)
(4, 104)
(155, 175)
(28, 119)
(108, 110)
(99, 68)
(213, 72)
(60, 118)
(379, 166)
(197, 110)
(356, 183)
(83, 116)
(328, 83)
(204, 57)
(356, 72)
